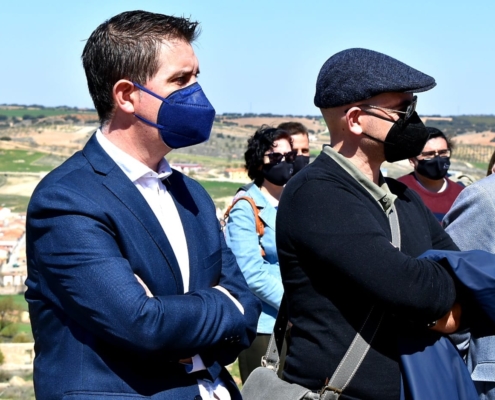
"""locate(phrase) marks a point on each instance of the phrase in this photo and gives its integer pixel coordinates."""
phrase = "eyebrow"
(182, 73)
(434, 151)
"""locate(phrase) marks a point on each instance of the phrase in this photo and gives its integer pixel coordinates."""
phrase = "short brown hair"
(434, 133)
(293, 128)
(127, 47)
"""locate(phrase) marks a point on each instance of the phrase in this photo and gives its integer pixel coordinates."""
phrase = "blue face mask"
(185, 117)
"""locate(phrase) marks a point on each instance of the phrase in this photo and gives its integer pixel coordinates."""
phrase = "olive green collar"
(381, 193)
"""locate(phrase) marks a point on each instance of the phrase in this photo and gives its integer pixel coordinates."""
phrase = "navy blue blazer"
(97, 334)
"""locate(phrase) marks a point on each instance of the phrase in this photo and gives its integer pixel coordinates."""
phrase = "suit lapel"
(119, 184)
(188, 212)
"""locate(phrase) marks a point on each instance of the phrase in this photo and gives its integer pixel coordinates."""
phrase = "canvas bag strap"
(357, 350)
(271, 359)
(393, 219)
(355, 354)
(348, 365)
(362, 341)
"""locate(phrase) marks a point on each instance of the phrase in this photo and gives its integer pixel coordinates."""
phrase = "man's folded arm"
(82, 271)
(421, 289)
(232, 280)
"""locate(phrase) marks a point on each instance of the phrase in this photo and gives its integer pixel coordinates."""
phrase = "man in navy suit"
(132, 291)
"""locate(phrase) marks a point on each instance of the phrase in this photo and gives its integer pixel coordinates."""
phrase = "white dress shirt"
(150, 184)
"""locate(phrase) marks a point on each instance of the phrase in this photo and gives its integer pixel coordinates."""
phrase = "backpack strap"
(260, 227)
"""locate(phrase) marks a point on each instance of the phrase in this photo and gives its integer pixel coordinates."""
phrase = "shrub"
(10, 330)
(22, 337)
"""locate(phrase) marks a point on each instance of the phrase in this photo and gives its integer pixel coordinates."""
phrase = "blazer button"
(198, 397)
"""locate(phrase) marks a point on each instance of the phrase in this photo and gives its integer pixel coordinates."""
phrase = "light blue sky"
(262, 55)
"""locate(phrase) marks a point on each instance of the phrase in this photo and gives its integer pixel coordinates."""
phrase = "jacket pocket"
(484, 372)
(213, 260)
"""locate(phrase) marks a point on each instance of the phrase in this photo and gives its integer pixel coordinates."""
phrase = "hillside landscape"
(35, 139)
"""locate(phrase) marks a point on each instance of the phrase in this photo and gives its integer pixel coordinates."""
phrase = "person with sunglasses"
(300, 143)
(429, 178)
(269, 163)
(339, 257)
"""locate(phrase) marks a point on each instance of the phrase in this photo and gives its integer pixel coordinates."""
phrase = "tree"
(9, 312)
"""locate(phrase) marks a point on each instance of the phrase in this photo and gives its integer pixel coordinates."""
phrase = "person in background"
(132, 290)
(300, 143)
(491, 165)
(429, 178)
(269, 158)
(470, 223)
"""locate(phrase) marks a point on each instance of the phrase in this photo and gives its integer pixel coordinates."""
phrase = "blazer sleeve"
(471, 219)
(74, 255)
(262, 277)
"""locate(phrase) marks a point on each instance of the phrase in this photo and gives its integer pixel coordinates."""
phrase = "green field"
(207, 161)
(14, 202)
(220, 189)
(25, 161)
(314, 153)
(481, 165)
(25, 328)
(41, 112)
(19, 300)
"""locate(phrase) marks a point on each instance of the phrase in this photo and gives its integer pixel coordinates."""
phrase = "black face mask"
(299, 163)
(405, 139)
(435, 169)
(278, 174)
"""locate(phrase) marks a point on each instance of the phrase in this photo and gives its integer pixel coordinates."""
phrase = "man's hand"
(450, 322)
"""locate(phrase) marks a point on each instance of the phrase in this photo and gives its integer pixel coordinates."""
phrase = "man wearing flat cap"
(341, 253)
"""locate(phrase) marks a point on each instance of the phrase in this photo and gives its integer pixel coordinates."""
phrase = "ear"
(125, 96)
(352, 120)
(413, 162)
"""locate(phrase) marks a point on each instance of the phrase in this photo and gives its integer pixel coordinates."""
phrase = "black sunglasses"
(275, 158)
(406, 114)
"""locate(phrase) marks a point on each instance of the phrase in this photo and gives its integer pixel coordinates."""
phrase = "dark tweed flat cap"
(357, 74)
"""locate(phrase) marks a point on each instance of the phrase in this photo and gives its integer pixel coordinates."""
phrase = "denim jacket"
(262, 274)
